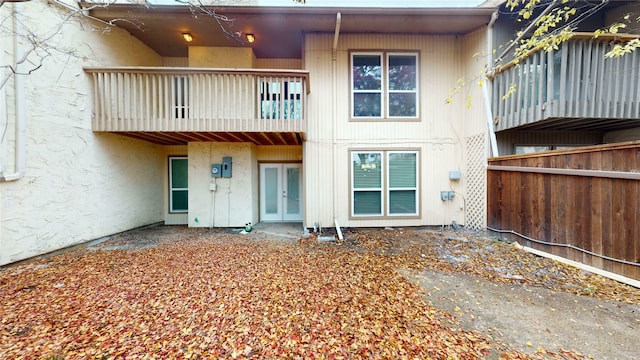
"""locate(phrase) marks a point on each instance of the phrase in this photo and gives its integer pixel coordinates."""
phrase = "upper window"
(384, 183)
(384, 85)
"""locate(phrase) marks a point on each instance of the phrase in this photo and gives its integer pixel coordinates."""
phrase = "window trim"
(172, 189)
(380, 189)
(388, 183)
(385, 190)
(384, 85)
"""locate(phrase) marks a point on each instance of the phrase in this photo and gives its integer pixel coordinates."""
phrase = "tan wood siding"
(473, 57)
(318, 150)
(438, 133)
(278, 64)
(175, 61)
(279, 153)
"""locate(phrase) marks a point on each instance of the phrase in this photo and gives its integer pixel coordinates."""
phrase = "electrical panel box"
(454, 175)
(226, 167)
(447, 195)
(216, 170)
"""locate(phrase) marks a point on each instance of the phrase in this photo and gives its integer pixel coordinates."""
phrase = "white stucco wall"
(233, 204)
(78, 185)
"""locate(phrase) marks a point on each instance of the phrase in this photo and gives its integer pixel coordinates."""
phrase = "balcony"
(572, 88)
(174, 106)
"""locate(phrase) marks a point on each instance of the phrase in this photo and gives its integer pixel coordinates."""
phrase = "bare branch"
(225, 23)
(41, 44)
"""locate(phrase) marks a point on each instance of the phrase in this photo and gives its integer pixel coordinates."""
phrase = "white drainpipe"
(486, 85)
(20, 118)
(334, 59)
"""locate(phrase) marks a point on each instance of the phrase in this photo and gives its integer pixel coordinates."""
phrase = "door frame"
(281, 184)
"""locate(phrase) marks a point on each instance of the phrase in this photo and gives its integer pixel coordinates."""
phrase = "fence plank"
(577, 204)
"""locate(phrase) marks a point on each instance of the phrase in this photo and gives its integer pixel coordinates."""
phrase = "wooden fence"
(581, 204)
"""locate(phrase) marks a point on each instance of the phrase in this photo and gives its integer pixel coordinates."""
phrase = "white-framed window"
(178, 184)
(384, 183)
(384, 85)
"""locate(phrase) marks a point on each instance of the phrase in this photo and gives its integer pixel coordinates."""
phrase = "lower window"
(384, 183)
(178, 185)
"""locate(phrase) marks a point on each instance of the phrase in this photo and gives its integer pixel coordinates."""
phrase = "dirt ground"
(530, 303)
(517, 300)
(531, 318)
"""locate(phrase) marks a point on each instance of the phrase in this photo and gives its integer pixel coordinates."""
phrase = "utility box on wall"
(226, 166)
(216, 170)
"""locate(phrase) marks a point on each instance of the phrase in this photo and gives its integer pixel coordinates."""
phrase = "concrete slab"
(290, 230)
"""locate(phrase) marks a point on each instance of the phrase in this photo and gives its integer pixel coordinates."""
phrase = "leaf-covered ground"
(498, 261)
(175, 292)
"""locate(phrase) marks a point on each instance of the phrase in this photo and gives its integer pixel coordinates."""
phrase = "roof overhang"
(278, 30)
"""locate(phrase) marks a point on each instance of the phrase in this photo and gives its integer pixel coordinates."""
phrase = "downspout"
(19, 101)
(334, 60)
(487, 84)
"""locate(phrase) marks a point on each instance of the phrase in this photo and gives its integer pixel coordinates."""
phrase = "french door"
(280, 192)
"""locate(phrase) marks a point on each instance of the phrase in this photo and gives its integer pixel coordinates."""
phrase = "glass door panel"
(280, 192)
(292, 193)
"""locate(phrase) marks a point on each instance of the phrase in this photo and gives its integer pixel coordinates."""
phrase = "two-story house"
(127, 115)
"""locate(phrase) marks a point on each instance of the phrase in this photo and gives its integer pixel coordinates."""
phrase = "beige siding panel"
(279, 153)
(433, 211)
(474, 59)
(295, 64)
(473, 56)
(318, 155)
(177, 150)
(439, 133)
(175, 61)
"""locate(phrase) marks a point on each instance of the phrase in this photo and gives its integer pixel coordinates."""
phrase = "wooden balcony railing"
(158, 99)
(575, 81)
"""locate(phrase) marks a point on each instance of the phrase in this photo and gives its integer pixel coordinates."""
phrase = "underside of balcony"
(183, 138)
(581, 124)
